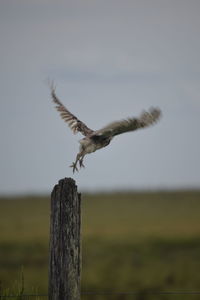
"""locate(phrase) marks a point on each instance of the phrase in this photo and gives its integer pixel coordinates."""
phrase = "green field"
(130, 242)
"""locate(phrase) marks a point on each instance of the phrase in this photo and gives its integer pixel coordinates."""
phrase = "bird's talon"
(74, 166)
(81, 164)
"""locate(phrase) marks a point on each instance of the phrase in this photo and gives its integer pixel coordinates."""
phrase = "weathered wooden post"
(65, 254)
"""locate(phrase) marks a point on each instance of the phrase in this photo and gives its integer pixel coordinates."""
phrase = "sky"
(109, 60)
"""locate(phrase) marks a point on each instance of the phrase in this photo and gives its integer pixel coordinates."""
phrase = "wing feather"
(130, 124)
(73, 122)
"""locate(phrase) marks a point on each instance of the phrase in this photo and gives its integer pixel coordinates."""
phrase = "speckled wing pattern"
(146, 119)
(74, 123)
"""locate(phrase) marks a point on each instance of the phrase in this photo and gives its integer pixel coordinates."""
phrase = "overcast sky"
(110, 60)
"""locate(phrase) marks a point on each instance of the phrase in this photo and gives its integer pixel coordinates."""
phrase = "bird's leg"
(81, 162)
(74, 164)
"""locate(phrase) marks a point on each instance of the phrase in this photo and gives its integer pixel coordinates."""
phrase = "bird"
(96, 139)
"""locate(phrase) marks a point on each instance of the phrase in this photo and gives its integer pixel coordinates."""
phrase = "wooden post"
(65, 255)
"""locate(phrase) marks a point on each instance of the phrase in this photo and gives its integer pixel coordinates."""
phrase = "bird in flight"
(96, 139)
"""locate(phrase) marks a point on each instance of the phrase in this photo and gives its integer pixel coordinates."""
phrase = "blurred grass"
(131, 241)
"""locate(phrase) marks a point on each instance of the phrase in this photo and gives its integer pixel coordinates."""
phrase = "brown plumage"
(98, 139)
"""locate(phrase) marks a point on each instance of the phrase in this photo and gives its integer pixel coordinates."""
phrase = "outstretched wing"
(74, 123)
(146, 119)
